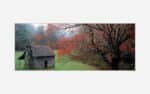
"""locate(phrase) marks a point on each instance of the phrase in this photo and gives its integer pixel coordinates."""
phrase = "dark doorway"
(45, 64)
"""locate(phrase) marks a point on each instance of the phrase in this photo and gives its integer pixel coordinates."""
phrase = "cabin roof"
(39, 50)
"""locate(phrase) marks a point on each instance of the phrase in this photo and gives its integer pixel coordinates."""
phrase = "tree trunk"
(115, 63)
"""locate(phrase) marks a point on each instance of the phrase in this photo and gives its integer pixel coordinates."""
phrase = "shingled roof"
(39, 50)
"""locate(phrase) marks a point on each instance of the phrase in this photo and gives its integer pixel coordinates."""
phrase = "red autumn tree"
(64, 46)
(67, 45)
(106, 41)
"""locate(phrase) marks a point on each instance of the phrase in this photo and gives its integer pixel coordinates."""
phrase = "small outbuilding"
(38, 57)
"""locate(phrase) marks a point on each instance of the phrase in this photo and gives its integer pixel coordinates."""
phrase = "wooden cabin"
(38, 57)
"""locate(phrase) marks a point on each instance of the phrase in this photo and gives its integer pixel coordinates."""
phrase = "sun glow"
(38, 25)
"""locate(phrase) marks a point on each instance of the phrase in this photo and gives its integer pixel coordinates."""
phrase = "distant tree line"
(23, 35)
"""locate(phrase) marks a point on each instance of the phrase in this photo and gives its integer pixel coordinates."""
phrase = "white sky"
(63, 32)
(41, 24)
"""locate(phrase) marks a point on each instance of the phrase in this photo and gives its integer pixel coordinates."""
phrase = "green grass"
(19, 64)
(64, 63)
(61, 63)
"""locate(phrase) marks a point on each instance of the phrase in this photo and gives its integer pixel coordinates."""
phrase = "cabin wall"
(40, 62)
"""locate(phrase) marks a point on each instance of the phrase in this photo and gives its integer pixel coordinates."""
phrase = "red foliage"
(67, 45)
(127, 46)
(60, 52)
(64, 46)
(37, 37)
(51, 28)
(69, 49)
(78, 37)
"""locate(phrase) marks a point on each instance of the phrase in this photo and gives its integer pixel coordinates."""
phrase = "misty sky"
(61, 31)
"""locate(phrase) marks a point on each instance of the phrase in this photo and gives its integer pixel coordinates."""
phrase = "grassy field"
(61, 63)
(19, 64)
